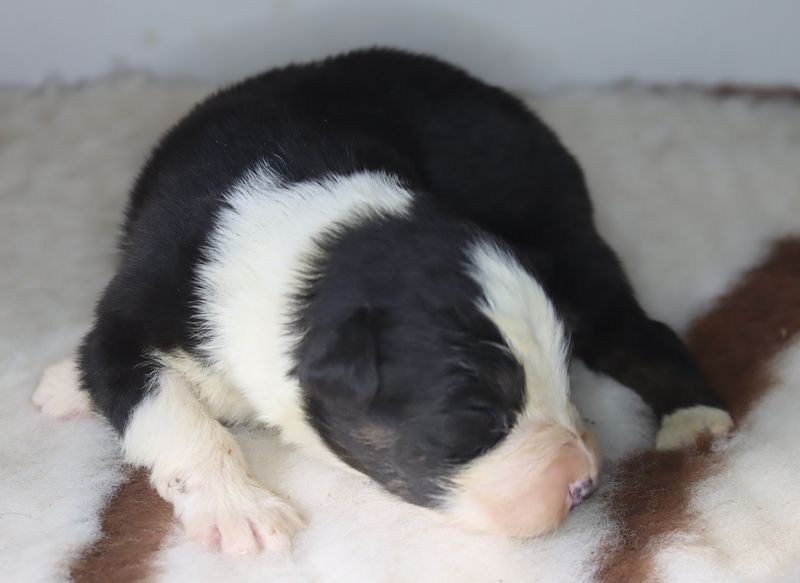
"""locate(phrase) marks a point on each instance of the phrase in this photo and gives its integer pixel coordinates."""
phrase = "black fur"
(479, 162)
(404, 377)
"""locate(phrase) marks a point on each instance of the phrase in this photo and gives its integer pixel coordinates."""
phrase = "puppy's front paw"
(237, 517)
(59, 393)
(684, 426)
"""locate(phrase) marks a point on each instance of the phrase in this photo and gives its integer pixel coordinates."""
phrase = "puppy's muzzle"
(529, 484)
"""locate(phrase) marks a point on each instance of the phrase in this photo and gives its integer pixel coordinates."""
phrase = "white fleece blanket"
(690, 189)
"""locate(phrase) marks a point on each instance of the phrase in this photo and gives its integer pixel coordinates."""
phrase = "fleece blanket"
(698, 191)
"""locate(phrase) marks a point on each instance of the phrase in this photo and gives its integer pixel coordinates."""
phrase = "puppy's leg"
(650, 358)
(196, 464)
(612, 334)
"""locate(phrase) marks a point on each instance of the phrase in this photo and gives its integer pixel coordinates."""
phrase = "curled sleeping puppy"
(390, 261)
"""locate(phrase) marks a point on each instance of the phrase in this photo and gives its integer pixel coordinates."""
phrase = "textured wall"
(526, 43)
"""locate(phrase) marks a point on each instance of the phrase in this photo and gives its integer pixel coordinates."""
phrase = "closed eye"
(491, 425)
(491, 440)
(499, 420)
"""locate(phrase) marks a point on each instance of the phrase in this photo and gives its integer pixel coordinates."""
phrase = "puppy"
(390, 261)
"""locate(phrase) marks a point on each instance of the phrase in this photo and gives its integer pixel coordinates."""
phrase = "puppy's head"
(451, 391)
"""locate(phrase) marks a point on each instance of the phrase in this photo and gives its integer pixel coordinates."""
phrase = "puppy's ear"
(342, 362)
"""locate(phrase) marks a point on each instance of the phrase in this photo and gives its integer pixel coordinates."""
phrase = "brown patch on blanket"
(648, 500)
(134, 523)
(749, 326)
(723, 90)
(758, 92)
(734, 344)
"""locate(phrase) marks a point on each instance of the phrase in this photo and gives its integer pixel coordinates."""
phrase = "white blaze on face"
(549, 461)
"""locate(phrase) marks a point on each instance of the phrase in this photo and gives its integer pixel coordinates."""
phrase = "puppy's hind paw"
(684, 426)
(59, 392)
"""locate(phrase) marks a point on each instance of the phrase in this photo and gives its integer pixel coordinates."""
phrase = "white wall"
(535, 43)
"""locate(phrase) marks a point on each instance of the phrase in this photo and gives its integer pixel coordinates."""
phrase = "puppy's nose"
(581, 490)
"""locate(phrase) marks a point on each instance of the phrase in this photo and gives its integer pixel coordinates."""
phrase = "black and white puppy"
(385, 258)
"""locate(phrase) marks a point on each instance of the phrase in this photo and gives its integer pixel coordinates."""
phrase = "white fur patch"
(523, 313)
(59, 392)
(257, 254)
(522, 486)
(212, 388)
(684, 426)
(196, 464)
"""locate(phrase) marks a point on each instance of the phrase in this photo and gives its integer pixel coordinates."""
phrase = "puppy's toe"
(237, 536)
(59, 393)
(684, 426)
(275, 526)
